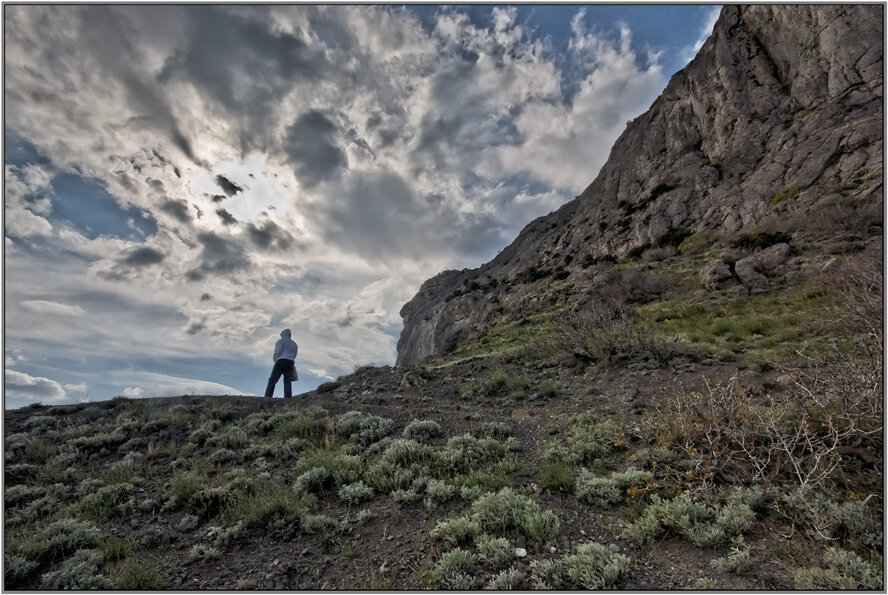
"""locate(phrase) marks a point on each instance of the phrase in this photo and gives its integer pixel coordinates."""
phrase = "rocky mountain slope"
(775, 125)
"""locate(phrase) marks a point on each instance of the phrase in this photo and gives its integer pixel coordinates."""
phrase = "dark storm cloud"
(379, 214)
(195, 328)
(227, 186)
(107, 34)
(176, 208)
(143, 256)
(226, 46)
(269, 236)
(313, 148)
(219, 256)
(226, 217)
(155, 184)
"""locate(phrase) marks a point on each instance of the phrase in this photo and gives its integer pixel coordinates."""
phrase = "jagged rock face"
(778, 115)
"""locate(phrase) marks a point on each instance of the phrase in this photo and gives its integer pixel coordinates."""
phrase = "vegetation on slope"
(518, 462)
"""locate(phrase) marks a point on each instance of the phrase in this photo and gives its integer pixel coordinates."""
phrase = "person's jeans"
(282, 367)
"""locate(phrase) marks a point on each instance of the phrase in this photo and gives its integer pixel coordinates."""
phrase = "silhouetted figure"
(284, 359)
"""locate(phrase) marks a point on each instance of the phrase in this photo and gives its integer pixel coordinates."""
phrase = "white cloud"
(49, 308)
(441, 141)
(150, 384)
(22, 388)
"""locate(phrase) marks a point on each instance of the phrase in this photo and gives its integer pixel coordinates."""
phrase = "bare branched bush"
(800, 435)
(859, 283)
(606, 332)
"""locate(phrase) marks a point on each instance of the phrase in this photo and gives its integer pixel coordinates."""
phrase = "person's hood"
(285, 334)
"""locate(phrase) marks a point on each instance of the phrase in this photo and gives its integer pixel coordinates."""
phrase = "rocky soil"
(394, 549)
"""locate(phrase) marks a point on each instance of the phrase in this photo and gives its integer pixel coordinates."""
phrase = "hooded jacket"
(285, 348)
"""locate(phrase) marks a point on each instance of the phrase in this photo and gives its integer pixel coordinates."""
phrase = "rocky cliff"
(775, 126)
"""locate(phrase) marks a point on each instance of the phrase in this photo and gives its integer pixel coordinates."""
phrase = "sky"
(182, 182)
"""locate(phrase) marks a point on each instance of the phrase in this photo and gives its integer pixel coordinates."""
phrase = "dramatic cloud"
(183, 181)
(27, 388)
(143, 256)
(312, 145)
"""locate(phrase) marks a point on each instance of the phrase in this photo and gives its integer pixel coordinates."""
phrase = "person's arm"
(277, 351)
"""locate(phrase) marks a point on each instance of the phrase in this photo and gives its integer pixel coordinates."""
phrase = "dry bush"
(800, 435)
(607, 332)
(859, 283)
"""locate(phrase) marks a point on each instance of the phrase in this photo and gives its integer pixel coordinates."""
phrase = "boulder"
(716, 276)
(749, 272)
(774, 256)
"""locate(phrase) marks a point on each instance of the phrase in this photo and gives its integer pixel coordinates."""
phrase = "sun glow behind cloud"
(184, 181)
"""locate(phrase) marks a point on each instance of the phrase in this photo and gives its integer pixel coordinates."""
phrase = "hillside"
(673, 382)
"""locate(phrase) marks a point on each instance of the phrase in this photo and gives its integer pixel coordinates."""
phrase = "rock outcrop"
(777, 119)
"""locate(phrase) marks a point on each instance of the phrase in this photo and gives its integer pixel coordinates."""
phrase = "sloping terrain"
(673, 382)
(531, 466)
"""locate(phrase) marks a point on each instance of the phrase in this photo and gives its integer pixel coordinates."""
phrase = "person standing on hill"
(284, 360)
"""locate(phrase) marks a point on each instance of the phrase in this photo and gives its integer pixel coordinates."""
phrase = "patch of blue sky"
(19, 152)
(82, 202)
(87, 205)
(661, 30)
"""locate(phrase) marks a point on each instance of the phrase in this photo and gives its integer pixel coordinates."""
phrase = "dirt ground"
(393, 549)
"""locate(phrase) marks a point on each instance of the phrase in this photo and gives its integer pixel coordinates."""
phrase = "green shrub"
(134, 575)
(16, 569)
(494, 553)
(466, 453)
(423, 431)
(590, 438)
(232, 438)
(539, 526)
(556, 475)
(388, 477)
(700, 523)
(308, 426)
(342, 468)
(548, 389)
(319, 524)
(505, 580)
(736, 562)
(184, 485)
(494, 429)
(404, 452)
(844, 571)
(38, 451)
(126, 471)
(438, 491)
(454, 570)
(822, 517)
(355, 492)
(598, 491)
(362, 428)
(113, 548)
(453, 532)
(265, 505)
(223, 456)
(603, 492)
(201, 552)
(592, 567)
(110, 500)
(80, 571)
(211, 501)
(499, 512)
(315, 479)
